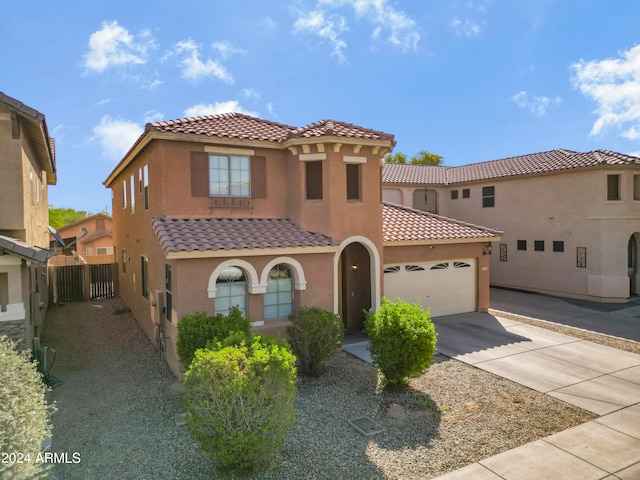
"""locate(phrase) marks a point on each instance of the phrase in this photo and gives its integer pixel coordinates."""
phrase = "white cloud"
(614, 84)
(116, 136)
(215, 108)
(323, 21)
(536, 105)
(113, 45)
(226, 49)
(153, 116)
(250, 93)
(270, 109)
(194, 68)
(327, 28)
(466, 27)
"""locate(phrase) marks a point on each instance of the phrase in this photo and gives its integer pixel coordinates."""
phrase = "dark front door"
(355, 265)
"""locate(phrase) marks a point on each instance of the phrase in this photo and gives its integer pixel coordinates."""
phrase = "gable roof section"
(241, 127)
(180, 235)
(535, 163)
(35, 126)
(33, 253)
(409, 226)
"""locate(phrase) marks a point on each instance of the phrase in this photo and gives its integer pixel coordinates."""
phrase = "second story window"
(313, 180)
(229, 176)
(613, 187)
(132, 200)
(353, 181)
(488, 197)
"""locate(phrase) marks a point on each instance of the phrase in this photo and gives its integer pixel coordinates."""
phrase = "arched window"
(278, 300)
(231, 288)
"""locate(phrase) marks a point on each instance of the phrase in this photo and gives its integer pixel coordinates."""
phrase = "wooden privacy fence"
(73, 283)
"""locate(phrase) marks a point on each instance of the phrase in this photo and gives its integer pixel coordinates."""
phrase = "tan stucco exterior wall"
(571, 207)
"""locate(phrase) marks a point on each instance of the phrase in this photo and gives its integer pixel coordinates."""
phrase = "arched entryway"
(354, 285)
(632, 265)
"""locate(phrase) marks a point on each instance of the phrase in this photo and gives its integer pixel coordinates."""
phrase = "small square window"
(522, 244)
(538, 245)
(466, 193)
(454, 194)
(558, 246)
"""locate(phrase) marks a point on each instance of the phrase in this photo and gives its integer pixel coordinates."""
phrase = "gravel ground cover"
(117, 406)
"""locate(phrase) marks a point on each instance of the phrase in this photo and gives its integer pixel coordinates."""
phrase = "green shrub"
(240, 401)
(402, 340)
(314, 335)
(195, 331)
(24, 413)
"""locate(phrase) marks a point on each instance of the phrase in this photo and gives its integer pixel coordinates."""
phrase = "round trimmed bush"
(195, 331)
(24, 413)
(402, 340)
(240, 401)
(314, 334)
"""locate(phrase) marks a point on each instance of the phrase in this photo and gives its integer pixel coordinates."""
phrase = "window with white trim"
(278, 299)
(231, 291)
(229, 176)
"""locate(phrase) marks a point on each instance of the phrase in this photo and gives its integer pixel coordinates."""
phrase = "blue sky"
(471, 80)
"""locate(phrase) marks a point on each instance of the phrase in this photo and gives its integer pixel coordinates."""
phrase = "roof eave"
(439, 241)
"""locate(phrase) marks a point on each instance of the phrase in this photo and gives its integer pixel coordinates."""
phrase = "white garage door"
(446, 286)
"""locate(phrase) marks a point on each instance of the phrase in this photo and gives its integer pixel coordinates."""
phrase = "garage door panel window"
(461, 265)
(392, 269)
(413, 268)
(440, 266)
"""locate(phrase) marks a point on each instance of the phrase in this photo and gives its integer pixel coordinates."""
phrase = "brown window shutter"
(199, 174)
(258, 177)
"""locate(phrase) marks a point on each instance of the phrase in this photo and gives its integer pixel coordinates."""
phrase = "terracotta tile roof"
(237, 125)
(535, 163)
(229, 125)
(401, 223)
(409, 173)
(340, 129)
(201, 234)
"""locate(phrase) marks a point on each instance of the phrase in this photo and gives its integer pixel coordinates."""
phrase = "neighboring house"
(571, 219)
(93, 248)
(223, 210)
(27, 167)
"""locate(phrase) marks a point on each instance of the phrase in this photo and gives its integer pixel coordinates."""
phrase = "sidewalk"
(600, 379)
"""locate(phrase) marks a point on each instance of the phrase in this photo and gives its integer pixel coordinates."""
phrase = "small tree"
(24, 413)
(314, 335)
(426, 158)
(240, 401)
(195, 331)
(396, 158)
(402, 340)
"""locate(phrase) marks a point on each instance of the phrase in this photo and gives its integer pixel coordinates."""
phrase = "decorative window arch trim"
(251, 275)
(299, 280)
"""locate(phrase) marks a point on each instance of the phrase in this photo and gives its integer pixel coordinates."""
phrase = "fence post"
(86, 289)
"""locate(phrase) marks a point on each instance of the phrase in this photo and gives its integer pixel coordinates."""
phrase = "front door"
(355, 275)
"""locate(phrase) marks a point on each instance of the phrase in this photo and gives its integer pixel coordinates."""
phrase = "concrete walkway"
(600, 379)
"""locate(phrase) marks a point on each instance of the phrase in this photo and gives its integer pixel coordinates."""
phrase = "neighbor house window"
(144, 276)
(353, 181)
(132, 200)
(231, 290)
(466, 193)
(313, 180)
(538, 245)
(229, 176)
(613, 187)
(488, 197)
(145, 185)
(278, 301)
(522, 244)
(454, 194)
(124, 261)
(558, 246)
(636, 187)
(167, 288)
(102, 251)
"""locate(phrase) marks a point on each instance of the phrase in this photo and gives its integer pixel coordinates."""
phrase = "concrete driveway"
(600, 379)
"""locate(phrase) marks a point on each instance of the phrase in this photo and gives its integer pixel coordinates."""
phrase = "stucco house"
(222, 210)
(571, 220)
(27, 168)
(94, 247)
